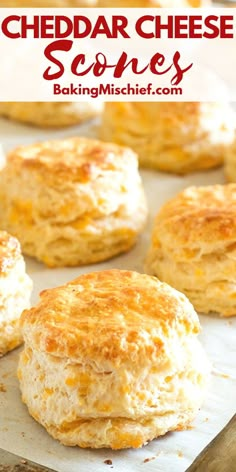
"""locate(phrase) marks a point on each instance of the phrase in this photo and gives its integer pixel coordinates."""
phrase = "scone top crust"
(169, 114)
(198, 215)
(80, 159)
(109, 316)
(10, 252)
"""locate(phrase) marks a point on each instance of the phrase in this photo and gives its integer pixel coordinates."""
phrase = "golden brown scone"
(50, 114)
(74, 201)
(112, 359)
(2, 158)
(194, 247)
(230, 162)
(47, 3)
(172, 137)
(152, 3)
(15, 291)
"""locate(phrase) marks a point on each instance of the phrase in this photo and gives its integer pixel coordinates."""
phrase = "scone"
(50, 114)
(47, 3)
(72, 202)
(172, 137)
(194, 247)
(230, 162)
(15, 291)
(2, 158)
(112, 359)
(152, 3)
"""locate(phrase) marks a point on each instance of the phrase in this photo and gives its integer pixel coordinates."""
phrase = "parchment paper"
(20, 434)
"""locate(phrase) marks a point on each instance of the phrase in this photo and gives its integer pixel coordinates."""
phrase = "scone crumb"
(180, 454)
(108, 462)
(2, 388)
(148, 459)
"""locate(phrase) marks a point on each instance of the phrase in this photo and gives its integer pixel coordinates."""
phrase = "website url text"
(112, 89)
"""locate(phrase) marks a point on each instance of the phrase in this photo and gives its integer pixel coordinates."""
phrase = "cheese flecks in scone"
(193, 247)
(15, 291)
(112, 359)
(171, 137)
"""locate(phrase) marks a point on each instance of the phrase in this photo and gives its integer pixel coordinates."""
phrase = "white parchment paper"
(20, 434)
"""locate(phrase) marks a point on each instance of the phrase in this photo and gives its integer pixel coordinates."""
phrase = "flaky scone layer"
(81, 200)
(172, 137)
(152, 3)
(230, 162)
(15, 291)
(193, 247)
(114, 359)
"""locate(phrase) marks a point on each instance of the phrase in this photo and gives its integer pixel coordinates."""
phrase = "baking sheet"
(20, 434)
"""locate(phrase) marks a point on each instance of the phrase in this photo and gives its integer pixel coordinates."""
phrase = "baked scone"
(2, 158)
(47, 3)
(112, 359)
(50, 114)
(230, 162)
(194, 247)
(172, 137)
(72, 202)
(15, 291)
(152, 3)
